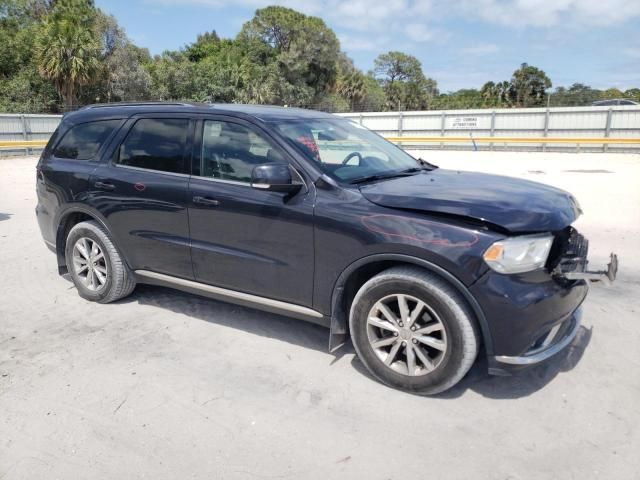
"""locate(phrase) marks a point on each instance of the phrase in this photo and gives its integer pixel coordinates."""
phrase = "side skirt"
(232, 296)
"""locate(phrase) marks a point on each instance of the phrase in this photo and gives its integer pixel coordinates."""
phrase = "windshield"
(345, 150)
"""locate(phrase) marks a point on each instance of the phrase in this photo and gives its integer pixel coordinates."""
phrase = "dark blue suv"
(313, 216)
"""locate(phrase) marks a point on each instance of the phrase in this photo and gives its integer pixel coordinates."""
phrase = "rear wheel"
(96, 267)
(413, 331)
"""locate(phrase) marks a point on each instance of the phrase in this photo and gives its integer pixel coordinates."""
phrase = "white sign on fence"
(464, 122)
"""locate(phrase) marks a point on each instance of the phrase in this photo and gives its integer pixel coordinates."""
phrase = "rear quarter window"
(82, 141)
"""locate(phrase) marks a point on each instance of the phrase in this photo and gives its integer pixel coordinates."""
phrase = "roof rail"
(134, 104)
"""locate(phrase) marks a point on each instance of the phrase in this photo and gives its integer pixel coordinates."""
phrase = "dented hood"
(511, 203)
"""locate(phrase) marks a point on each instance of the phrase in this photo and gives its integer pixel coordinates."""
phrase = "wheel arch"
(66, 221)
(357, 273)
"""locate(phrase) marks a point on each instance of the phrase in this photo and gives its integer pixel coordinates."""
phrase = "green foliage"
(633, 94)
(69, 52)
(404, 83)
(205, 45)
(577, 95)
(529, 85)
(304, 48)
(27, 92)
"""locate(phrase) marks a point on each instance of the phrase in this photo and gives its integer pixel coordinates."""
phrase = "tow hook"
(605, 276)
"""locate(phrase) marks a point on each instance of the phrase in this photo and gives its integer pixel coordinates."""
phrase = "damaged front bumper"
(523, 308)
(558, 338)
(571, 263)
(580, 272)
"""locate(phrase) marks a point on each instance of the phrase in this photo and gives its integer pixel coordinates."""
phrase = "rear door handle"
(209, 202)
(104, 185)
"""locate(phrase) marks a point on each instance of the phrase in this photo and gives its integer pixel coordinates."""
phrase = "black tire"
(119, 280)
(462, 338)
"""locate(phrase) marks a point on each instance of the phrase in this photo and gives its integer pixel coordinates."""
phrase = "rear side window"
(82, 142)
(155, 144)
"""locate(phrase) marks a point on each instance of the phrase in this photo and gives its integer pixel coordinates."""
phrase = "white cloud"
(550, 13)
(362, 43)
(361, 15)
(418, 32)
(481, 49)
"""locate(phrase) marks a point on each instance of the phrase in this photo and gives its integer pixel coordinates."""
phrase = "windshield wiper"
(384, 176)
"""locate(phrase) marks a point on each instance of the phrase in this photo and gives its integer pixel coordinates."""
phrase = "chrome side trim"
(150, 170)
(543, 355)
(221, 180)
(232, 296)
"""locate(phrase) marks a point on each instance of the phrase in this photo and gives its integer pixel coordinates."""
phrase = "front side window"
(155, 144)
(230, 151)
(345, 150)
(82, 142)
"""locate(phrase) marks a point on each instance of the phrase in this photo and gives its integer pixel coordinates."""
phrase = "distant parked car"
(614, 101)
(313, 216)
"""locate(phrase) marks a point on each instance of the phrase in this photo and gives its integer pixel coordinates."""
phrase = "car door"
(245, 239)
(142, 192)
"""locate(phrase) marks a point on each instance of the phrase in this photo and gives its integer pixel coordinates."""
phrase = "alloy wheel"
(90, 264)
(406, 334)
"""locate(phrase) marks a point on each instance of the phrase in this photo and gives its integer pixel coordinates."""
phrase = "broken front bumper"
(535, 315)
(607, 276)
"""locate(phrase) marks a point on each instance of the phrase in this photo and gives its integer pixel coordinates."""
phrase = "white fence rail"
(448, 129)
(580, 126)
(26, 127)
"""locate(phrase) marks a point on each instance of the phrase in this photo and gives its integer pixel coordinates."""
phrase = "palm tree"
(351, 87)
(67, 49)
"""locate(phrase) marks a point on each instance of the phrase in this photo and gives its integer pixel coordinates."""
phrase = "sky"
(461, 43)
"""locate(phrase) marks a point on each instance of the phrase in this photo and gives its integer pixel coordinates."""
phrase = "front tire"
(96, 267)
(413, 331)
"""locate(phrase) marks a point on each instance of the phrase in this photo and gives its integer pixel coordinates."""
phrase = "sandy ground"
(166, 385)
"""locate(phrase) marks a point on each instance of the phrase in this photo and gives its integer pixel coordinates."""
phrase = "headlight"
(519, 254)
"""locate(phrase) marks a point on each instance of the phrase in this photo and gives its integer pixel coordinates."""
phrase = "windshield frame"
(393, 151)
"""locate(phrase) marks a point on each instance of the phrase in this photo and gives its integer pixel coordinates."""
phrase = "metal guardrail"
(594, 129)
(541, 140)
(17, 144)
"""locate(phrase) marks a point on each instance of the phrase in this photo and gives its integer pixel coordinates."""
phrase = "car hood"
(511, 203)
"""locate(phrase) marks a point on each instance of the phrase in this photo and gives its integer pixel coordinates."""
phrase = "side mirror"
(275, 177)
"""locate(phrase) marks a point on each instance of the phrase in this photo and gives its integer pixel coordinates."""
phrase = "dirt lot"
(169, 385)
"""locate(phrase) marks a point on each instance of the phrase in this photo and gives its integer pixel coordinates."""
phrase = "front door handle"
(209, 202)
(104, 185)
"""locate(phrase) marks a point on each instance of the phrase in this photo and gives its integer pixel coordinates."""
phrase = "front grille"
(568, 252)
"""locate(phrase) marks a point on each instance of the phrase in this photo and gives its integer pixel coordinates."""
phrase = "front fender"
(339, 315)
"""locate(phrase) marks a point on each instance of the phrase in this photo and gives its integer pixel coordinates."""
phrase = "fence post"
(546, 127)
(607, 128)
(25, 135)
(400, 125)
(360, 119)
(442, 125)
(493, 128)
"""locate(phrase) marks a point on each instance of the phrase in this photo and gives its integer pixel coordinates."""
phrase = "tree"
(632, 94)
(127, 78)
(611, 93)
(529, 85)
(350, 84)
(403, 81)
(394, 67)
(304, 48)
(67, 50)
(205, 45)
(577, 94)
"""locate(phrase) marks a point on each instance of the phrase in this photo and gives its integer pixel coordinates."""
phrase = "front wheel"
(413, 331)
(95, 265)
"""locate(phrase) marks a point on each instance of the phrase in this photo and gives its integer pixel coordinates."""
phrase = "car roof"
(614, 101)
(124, 110)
